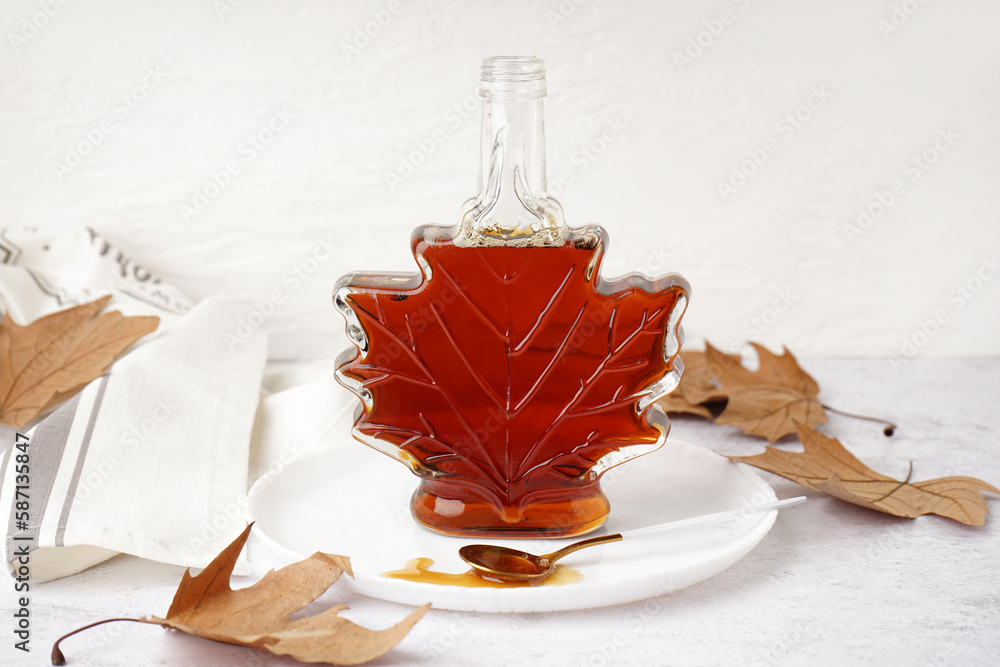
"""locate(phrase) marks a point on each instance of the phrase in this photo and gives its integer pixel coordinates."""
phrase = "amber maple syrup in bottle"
(508, 374)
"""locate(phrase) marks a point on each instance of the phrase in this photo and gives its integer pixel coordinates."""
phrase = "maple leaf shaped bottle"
(508, 375)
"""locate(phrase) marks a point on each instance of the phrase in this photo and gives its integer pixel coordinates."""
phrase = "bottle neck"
(513, 205)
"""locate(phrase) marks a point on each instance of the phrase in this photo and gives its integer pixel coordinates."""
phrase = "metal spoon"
(512, 565)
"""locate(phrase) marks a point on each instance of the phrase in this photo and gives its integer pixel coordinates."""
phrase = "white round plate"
(354, 501)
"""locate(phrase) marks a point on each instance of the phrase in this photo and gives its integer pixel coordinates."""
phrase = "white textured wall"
(210, 74)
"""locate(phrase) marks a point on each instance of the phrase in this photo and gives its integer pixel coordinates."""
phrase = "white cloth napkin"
(309, 414)
(152, 458)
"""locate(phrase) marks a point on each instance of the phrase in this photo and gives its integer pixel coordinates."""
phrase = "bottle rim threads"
(512, 77)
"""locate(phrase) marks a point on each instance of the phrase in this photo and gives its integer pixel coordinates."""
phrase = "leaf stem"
(889, 429)
(57, 656)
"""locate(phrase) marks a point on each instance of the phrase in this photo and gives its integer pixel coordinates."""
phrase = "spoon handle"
(582, 544)
(718, 517)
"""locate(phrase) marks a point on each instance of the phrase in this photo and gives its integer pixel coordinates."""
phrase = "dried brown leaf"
(703, 383)
(700, 382)
(677, 402)
(766, 402)
(257, 616)
(825, 465)
(55, 356)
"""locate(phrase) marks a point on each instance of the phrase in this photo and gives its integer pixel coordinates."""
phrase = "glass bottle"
(508, 375)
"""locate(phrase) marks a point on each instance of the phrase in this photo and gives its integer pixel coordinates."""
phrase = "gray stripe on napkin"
(47, 444)
(81, 457)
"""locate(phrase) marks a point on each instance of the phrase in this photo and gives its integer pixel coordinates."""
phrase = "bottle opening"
(512, 68)
(512, 77)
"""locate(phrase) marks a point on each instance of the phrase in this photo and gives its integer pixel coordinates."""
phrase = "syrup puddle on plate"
(418, 569)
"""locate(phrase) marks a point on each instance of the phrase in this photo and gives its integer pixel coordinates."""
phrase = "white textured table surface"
(832, 584)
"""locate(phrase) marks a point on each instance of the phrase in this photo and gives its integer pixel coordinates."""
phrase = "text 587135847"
(22, 541)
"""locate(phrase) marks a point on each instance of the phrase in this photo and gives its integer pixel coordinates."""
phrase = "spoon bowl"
(515, 566)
